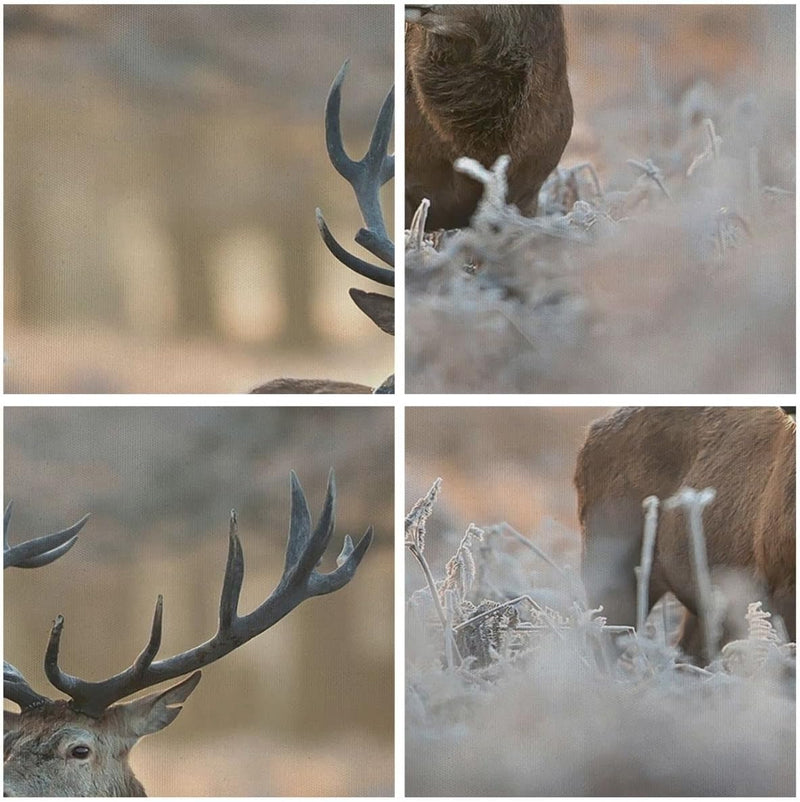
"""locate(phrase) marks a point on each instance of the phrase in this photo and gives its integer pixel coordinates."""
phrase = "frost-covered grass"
(514, 687)
(663, 259)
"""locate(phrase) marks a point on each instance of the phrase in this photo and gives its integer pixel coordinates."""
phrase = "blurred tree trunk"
(298, 288)
(195, 294)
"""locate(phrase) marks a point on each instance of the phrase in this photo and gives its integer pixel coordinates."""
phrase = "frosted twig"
(652, 172)
(417, 518)
(643, 571)
(450, 646)
(711, 151)
(693, 503)
(416, 234)
(758, 625)
(495, 183)
(515, 325)
(415, 541)
(509, 530)
(460, 569)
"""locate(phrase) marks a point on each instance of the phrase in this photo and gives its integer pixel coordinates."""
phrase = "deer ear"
(154, 712)
(378, 308)
(11, 722)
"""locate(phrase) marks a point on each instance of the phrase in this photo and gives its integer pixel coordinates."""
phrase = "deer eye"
(80, 752)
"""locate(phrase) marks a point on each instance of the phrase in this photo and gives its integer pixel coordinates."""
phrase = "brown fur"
(746, 454)
(483, 81)
(40, 743)
(38, 760)
(310, 386)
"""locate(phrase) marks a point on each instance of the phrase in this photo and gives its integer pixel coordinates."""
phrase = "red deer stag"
(366, 177)
(746, 454)
(80, 747)
(483, 81)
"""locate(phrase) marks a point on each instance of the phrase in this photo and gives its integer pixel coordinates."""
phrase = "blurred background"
(162, 167)
(497, 464)
(642, 78)
(306, 708)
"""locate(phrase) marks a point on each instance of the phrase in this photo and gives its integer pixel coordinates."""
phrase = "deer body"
(746, 454)
(483, 81)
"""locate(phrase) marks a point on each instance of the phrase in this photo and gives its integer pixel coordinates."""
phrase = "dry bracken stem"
(415, 540)
(714, 141)
(694, 502)
(711, 151)
(418, 517)
(452, 655)
(643, 571)
(416, 234)
(649, 169)
(420, 558)
(533, 547)
(754, 180)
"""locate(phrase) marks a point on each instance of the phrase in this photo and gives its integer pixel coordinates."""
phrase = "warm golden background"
(307, 707)
(162, 167)
(497, 464)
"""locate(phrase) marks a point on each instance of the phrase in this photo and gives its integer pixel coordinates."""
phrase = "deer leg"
(611, 550)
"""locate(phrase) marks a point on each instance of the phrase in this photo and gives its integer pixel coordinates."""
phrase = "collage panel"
(163, 165)
(591, 598)
(601, 198)
(139, 508)
(600, 602)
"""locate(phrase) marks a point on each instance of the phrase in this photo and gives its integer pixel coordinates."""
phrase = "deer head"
(366, 177)
(747, 455)
(80, 747)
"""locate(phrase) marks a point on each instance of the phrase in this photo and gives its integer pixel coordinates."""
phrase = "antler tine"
(369, 174)
(234, 576)
(38, 551)
(305, 548)
(92, 698)
(300, 581)
(382, 275)
(32, 553)
(366, 177)
(17, 690)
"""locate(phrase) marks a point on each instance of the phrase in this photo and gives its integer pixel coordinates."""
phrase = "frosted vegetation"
(663, 241)
(514, 687)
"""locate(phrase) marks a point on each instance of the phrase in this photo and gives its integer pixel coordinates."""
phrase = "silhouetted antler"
(300, 581)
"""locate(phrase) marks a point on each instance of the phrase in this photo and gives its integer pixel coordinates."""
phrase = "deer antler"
(40, 550)
(366, 177)
(32, 553)
(300, 581)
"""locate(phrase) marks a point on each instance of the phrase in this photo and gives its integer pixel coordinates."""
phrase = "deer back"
(745, 454)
